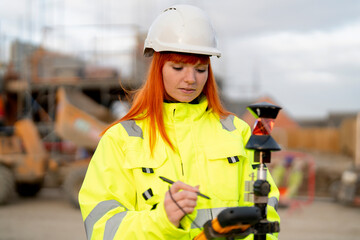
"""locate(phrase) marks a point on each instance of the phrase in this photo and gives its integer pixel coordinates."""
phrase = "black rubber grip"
(239, 215)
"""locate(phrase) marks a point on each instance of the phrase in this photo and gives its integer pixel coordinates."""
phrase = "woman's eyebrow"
(201, 65)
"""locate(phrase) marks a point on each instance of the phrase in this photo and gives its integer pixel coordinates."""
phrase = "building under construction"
(57, 98)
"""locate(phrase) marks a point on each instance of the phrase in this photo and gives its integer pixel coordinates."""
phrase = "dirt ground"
(50, 216)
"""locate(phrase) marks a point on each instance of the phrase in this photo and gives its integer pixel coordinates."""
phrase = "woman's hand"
(185, 196)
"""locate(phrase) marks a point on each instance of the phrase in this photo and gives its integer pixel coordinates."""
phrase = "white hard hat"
(182, 28)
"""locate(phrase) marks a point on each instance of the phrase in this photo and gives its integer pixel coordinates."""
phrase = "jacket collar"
(185, 112)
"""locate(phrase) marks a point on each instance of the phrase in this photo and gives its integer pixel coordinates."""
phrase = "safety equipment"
(122, 196)
(182, 28)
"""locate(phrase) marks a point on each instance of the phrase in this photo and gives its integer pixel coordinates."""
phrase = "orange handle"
(215, 225)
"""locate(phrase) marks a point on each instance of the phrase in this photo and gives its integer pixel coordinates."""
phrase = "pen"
(171, 182)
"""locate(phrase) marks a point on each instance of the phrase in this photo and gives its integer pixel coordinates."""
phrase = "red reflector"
(263, 126)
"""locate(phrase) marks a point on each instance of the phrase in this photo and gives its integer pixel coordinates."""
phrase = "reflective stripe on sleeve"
(273, 201)
(112, 225)
(132, 129)
(203, 215)
(98, 212)
(228, 123)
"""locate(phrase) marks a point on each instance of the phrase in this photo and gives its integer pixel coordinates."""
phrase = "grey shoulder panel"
(132, 128)
(228, 123)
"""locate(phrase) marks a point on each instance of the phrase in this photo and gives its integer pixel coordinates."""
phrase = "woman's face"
(184, 82)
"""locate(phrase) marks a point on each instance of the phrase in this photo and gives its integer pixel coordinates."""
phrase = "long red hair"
(148, 100)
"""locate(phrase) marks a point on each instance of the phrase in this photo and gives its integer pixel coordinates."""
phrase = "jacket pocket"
(224, 163)
(145, 171)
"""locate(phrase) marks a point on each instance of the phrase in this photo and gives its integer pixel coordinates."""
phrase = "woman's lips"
(187, 90)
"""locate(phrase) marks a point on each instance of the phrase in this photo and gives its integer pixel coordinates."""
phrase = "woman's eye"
(201, 70)
(177, 68)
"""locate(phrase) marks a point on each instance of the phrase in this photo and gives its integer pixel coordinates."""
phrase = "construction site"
(57, 97)
(56, 104)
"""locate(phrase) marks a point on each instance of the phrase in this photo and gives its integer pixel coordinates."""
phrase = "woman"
(177, 129)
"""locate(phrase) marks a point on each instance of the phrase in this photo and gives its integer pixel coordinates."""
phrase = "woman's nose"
(190, 75)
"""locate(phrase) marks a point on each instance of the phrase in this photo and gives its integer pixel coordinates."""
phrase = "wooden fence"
(329, 140)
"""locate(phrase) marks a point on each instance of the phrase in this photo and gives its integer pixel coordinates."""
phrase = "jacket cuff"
(166, 226)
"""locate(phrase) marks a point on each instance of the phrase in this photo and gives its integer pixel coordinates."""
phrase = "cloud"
(305, 53)
(311, 62)
(251, 17)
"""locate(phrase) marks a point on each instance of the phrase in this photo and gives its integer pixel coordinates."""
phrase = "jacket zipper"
(182, 165)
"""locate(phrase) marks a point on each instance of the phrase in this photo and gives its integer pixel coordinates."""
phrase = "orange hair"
(148, 100)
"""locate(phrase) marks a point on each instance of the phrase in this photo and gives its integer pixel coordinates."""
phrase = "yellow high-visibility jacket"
(122, 195)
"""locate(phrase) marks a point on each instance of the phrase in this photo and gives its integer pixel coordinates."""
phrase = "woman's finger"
(177, 186)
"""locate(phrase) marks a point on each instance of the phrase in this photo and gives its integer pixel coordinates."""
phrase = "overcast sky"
(305, 54)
